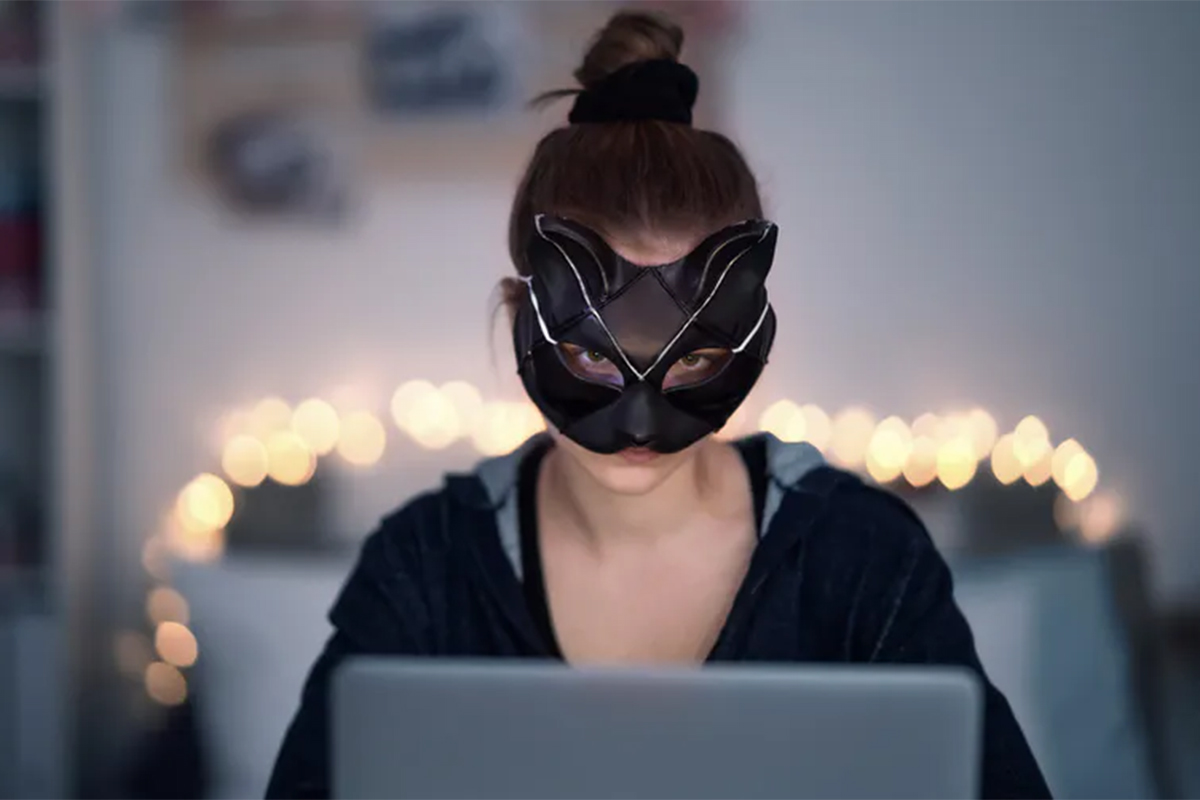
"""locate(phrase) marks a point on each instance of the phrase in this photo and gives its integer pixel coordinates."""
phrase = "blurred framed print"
(426, 89)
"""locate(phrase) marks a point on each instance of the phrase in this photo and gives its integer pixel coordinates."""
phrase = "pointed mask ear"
(569, 264)
(739, 255)
(761, 255)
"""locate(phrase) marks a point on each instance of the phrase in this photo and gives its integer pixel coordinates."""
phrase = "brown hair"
(630, 178)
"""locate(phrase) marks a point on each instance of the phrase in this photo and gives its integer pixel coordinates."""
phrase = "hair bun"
(628, 38)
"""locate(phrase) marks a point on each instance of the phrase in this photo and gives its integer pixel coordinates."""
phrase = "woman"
(629, 534)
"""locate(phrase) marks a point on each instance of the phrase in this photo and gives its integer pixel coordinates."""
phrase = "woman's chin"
(620, 476)
(634, 471)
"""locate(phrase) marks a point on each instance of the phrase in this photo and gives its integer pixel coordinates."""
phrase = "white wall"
(204, 317)
(994, 203)
(980, 203)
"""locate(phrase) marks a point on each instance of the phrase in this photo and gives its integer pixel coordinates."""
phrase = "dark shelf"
(22, 588)
(20, 82)
(23, 339)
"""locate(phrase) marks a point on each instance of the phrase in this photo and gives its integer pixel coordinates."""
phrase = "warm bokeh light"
(274, 440)
(244, 460)
(852, 431)
(363, 439)
(165, 684)
(920, 468)
(433, 422)
(406, 398)
(1031, 440)
(133, 653)
(175, 644)
(504, 426)
(235, 423)
(466, 401)
(928, 426)
(881, 473)
(206, 503)
(164, 604)
(155, 556)
(1101, 518)
(199, 546)
(1062, 459)
(268, 416)
(349, 397)
(956, 462)
(818, 428)
(436, 417)
(1080, 476)
(1031, 428)
(890, 446)
(1005, 465)
(784, 420)
(983, 432)
(953, 426)
(289, 461)
(1039, 471)
(790, 422)
(316, 423)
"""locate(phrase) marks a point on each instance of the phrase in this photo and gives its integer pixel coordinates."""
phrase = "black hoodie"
(843, 572)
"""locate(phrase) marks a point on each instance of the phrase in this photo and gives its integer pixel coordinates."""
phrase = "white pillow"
(260, 624)
(1048, 634)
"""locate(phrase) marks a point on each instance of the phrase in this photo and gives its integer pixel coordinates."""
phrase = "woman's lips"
(638, 455)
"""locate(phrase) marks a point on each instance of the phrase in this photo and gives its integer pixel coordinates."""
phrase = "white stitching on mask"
(757, 325)
(683, 328)
(537, 309)
(641, 376)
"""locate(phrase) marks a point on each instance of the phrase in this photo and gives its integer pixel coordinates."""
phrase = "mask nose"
(636, 417)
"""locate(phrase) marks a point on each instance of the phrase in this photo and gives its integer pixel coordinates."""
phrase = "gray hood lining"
(787, 464)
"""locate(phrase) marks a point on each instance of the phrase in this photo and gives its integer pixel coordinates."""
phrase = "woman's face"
(636, 471)
(638, 349)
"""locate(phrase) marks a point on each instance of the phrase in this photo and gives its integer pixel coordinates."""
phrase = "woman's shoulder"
(861, 558)
(836, 511)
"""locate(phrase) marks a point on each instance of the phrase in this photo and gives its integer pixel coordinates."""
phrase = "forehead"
(652, 249)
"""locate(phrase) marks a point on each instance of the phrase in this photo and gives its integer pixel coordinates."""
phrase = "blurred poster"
(447, 84)
(431, 60)
(281, 164)
(284, 106)
(268, 102)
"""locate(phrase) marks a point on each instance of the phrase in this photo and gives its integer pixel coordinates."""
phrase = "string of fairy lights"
(284, 443)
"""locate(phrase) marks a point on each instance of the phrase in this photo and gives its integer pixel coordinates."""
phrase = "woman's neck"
(700, 487)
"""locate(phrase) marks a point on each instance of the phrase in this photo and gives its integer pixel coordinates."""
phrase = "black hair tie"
(661, 89)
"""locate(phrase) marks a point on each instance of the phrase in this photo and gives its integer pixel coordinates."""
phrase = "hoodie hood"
(787, 464)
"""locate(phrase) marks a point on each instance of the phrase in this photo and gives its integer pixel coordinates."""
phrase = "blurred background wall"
(989, 204)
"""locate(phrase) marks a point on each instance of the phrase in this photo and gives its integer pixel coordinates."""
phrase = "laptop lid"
(506, 729)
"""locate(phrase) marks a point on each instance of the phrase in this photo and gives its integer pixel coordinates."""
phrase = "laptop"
(435, 729)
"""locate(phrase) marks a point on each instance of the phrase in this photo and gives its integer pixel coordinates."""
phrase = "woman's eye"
(696, 367)
(590, 364)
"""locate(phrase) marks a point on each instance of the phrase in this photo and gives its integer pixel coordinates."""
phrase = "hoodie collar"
(496, 480)
(787, 464)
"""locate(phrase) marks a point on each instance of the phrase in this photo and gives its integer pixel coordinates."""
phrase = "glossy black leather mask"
(617, 355)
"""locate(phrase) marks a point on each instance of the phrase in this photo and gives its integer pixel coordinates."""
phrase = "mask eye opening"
(722, 357)
(590, 364)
